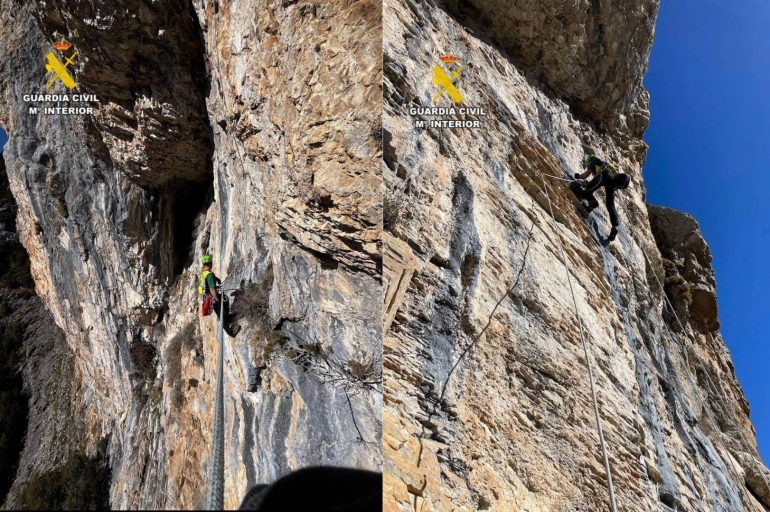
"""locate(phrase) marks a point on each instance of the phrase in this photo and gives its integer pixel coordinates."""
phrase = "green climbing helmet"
(206, 259)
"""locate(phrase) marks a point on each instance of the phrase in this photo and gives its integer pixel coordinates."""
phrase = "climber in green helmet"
(209, 290)
(603, 175)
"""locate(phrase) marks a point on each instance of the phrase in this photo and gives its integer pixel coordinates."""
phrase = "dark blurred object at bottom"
(319, 489)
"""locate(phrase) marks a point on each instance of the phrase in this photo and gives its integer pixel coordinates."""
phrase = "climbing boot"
(613, 234)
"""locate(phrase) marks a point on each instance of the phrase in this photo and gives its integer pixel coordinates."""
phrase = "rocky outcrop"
(248, 130)
(680, 241)
(41, 424)
(593, 54)
(498, 244)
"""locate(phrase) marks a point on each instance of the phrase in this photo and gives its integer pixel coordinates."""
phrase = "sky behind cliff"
(709, 81)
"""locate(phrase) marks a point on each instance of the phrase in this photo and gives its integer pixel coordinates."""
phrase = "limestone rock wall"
(242, 129)
(50, 422)
(515, 428)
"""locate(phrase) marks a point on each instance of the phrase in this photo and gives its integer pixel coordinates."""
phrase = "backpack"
(594, 161)
(203, 286)
(611, 170)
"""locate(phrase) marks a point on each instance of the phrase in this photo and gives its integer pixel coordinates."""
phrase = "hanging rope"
(474, 341)
(216, 476)
(708, 377)
(610, 485)
(608, 469)
(700, 362)
(754, 460)
(489, 319)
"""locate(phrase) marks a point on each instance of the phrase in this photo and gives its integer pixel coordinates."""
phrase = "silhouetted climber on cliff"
(604, 175)
(210, 291)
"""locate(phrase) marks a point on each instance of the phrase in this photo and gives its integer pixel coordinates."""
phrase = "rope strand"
(608, 469)
(216, 474)
(474, 341)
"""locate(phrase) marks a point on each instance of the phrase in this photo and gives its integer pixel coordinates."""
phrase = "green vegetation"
(80, 483)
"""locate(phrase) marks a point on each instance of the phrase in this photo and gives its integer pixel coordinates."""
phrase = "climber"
(604, 175)
(210, 290)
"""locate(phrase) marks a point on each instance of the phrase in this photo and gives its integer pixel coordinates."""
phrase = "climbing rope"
(489, 319)
(608, 469)
(216, 476)
(474, 341)
(557, 177)
(707, 376)
(600, 431)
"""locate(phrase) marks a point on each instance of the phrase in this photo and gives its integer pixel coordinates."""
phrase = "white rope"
(700, 361)
(607, 468)
(557, 177)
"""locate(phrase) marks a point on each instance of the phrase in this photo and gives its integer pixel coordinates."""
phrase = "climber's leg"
(595, 183)
(610, 203)
(231, 328)
(586, 195)
(228, 326)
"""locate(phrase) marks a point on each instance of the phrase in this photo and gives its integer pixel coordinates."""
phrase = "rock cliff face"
(469, 210)
(39, 390)
(249, 130)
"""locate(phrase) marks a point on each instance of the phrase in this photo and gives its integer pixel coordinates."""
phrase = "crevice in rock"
(188, 203)
(14, 410)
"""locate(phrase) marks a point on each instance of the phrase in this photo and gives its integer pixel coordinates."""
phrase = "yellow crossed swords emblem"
(59, 70)
(446, 82)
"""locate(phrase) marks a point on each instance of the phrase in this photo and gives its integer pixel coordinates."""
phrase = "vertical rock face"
(41, 419)
(248, 130)
(493, 239)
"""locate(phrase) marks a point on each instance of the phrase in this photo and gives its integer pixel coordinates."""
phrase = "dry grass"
(143, 355)
(395, 209)
(363, 367)
(252, 304)
(264, 345)
(359, 373)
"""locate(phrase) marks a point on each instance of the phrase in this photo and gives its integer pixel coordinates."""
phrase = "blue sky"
(3, 139)
(709, 80)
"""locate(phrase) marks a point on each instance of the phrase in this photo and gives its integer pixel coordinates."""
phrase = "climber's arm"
(212, 285)
(583, 176)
